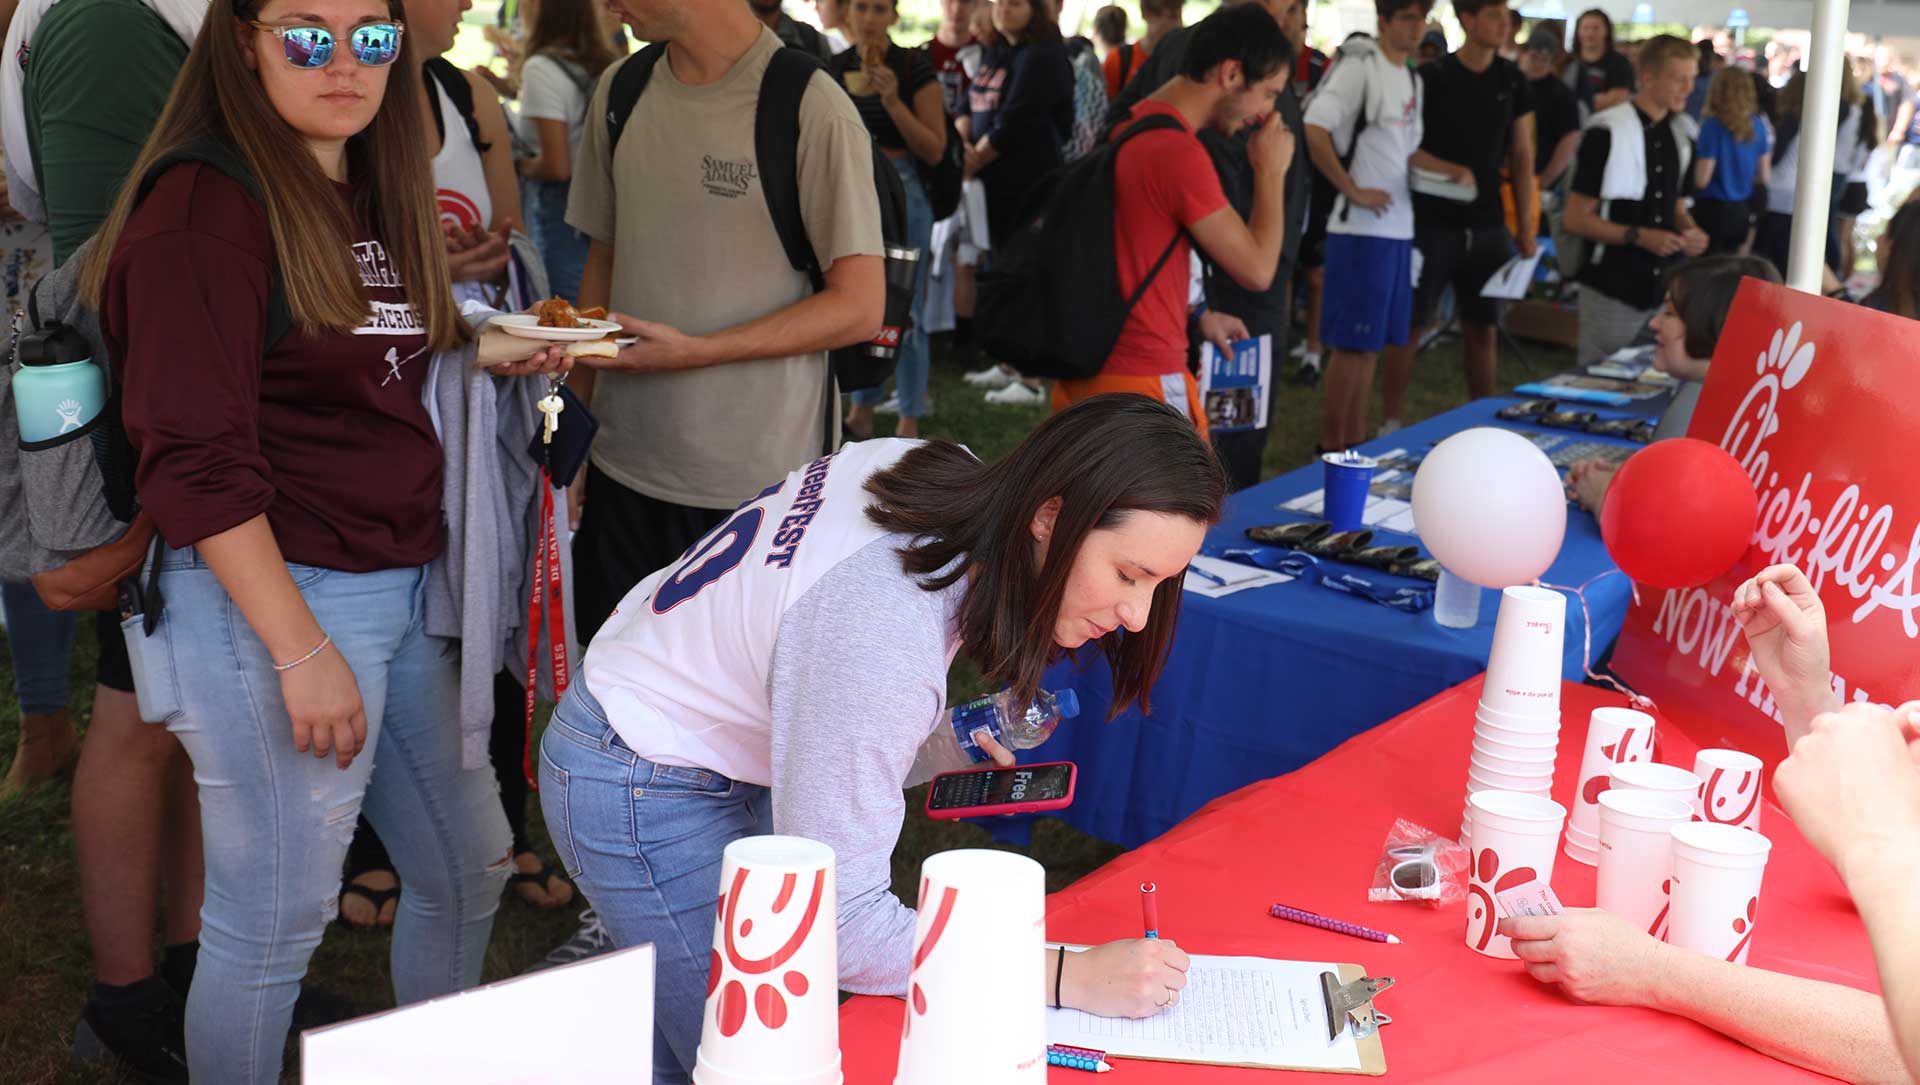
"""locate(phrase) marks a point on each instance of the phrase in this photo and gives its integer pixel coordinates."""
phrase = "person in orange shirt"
(1122, 59)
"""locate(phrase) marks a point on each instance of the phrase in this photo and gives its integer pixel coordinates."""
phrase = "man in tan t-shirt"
(727, 389)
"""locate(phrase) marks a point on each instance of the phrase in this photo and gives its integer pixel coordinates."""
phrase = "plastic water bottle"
(1013, 725)
(58, 390)
(1456, 602)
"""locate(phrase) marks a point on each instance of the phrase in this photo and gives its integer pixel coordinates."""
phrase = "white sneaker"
(991, 377)
(1018, 394)
(891, 406)
(591, 940)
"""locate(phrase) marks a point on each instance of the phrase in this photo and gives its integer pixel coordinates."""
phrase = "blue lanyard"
(1302, 566)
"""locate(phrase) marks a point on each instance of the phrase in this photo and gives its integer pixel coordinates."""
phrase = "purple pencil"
(1300, 915)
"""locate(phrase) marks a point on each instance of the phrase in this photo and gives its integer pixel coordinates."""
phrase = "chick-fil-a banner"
(1817, 401)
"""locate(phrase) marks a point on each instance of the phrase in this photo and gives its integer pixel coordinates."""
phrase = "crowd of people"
(294, 221)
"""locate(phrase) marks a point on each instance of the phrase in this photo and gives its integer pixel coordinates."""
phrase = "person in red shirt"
(295, 480)
(952, 35)
(1167, 194)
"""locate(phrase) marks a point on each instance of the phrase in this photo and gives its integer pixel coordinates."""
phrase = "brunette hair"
(217, 97)
(1042, 25)
(571, 29)
(1703, 290)
(1605, 20)
(1732, 102)
(1900, 286)
(1110, 26)
(1104, 457)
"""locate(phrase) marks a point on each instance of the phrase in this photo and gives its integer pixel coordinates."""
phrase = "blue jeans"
(910, 374)
(562, 248)
(40, 640)
(643, 842)
(275, 822)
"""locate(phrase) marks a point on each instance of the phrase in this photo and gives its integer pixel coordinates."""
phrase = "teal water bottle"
(59, 390)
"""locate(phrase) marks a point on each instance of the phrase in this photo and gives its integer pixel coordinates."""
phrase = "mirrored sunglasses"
(373, 44)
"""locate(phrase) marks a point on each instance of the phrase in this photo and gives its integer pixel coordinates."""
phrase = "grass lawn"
(43, 949)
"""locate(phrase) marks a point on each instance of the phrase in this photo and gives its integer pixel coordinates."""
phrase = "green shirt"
(97, 77)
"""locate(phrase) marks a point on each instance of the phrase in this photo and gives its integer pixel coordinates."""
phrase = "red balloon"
(1678, 514)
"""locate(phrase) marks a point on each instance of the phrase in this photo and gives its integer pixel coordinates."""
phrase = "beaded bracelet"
(317, 649)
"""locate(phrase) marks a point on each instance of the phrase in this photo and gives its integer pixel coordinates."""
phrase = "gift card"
(1533, 898)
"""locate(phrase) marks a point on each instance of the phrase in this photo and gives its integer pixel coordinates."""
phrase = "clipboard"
(1347, 996)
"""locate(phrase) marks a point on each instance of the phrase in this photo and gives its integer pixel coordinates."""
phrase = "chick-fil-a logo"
(942, 912)
(768, 1003)
(1848, 541)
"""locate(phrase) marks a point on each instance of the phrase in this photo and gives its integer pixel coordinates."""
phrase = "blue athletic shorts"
(1368, 299)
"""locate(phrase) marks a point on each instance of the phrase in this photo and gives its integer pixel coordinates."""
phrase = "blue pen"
(1207, 575)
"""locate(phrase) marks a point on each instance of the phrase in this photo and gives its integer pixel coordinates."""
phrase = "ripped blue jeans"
(276, 822)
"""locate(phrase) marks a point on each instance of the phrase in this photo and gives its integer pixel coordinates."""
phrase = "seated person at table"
(789, 676)
(1852, 787)
(1684, 331)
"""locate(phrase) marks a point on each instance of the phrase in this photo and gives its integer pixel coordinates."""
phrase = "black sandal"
(544, 878)
(378, 898)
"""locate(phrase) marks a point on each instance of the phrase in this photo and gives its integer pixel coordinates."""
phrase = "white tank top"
(459, 176)
(682, 666)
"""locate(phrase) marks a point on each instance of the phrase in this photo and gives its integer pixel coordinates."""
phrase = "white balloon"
(1491, 507)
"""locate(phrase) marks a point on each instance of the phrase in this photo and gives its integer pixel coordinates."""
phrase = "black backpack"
(454, 85)
(1050, 305)
(776, 146)
(944, 178)
(1126, 64)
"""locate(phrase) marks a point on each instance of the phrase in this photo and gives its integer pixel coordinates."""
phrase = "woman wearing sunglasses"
(296, 481)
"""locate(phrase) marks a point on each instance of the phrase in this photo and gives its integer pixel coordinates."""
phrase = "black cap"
(1543, 40)
(56, 344)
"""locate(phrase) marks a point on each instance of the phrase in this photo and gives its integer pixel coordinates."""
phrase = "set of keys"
(550, 408)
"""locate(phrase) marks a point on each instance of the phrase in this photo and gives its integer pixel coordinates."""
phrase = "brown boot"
(47, 745)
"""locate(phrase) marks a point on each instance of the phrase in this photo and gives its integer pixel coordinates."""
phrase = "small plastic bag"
(1420, 866)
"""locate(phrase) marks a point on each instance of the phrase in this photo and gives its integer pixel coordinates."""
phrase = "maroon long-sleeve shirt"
(327, 435)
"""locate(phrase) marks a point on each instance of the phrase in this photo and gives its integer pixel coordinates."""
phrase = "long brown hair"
(572, 29)
(216, 97)
(1042, 25)
(1900, 287)
(1732, 102)
(1104, 457)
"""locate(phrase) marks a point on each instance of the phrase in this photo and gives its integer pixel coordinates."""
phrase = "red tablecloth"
(1311, 839)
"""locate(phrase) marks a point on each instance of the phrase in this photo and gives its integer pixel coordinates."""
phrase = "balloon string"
(1638, 700)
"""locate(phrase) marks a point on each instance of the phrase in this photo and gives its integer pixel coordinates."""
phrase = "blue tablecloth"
(1263, 681)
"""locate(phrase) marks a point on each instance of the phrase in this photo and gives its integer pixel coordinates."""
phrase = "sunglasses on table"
(372, 44)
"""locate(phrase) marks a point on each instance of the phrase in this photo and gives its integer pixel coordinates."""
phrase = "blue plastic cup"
(1348, 475)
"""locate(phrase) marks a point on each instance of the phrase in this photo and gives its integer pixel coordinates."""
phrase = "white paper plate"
(527, 326)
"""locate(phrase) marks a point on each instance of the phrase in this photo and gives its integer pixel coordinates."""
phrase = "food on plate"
(558, 312)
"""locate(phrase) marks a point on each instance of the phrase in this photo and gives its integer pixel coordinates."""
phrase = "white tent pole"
(1819, 126)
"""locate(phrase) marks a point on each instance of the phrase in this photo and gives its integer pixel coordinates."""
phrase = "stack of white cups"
(1516, 731)
(979, 940)
(1614, 736)
(1514, 844)
(773, 1006)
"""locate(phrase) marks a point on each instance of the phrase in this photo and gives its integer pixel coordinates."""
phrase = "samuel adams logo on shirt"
(724, 178)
